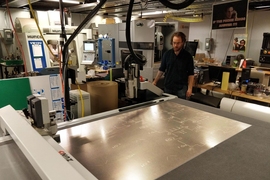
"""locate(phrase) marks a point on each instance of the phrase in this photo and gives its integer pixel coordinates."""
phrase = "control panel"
(265, 56)
(265, 59)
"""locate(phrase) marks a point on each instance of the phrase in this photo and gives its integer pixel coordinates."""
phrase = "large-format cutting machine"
(173, 139)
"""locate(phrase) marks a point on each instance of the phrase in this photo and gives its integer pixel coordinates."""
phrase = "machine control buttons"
(65, 155)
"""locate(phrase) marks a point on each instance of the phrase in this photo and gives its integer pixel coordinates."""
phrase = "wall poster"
(230, 15)
(239, 42)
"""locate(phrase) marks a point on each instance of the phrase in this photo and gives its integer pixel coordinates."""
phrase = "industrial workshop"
(134, 90)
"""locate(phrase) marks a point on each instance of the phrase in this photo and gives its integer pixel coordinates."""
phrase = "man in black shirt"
(241, 46)
(178, 66)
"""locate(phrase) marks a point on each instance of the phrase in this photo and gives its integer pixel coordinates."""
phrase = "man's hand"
(188, 93)
(158, 76)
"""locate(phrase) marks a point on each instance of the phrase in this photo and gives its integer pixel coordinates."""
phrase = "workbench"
(211, 87)
(20, 68)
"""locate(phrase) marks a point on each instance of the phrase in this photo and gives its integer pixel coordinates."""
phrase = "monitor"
(191, 47)
(88, 46)
(215, 73)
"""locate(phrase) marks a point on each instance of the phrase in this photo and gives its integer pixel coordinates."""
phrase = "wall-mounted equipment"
(8, 36)
(208, 44)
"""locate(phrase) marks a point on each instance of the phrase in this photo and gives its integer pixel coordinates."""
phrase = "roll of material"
(103, 96)
(226, 104)
(250, 110)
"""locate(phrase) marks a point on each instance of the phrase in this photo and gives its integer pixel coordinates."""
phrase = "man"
(242, 45)
(230, 13)
(178, 66)
(235, 44)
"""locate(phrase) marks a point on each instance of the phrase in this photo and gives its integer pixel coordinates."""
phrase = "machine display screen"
(89, 46)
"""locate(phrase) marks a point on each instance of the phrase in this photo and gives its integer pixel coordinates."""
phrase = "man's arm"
(190, 85)
(158, 76)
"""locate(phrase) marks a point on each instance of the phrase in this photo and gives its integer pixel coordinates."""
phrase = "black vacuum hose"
(181, 5)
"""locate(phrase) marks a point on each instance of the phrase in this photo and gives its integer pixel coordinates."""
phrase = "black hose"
(65, 50)
(137, 60)
(61, 16)
(181, 5)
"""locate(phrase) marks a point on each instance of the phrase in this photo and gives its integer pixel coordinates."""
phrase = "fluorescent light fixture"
(68, 1)
(81, 7)
(154, 13)
(189, 12)
(90, 4)
(261, 7)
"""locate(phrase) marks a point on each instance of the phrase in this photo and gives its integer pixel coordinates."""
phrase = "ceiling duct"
(19, 3)
(120, 7)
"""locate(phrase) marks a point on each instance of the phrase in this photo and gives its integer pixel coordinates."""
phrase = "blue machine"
(108, 47)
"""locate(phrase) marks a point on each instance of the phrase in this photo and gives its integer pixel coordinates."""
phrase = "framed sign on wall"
(230, 15)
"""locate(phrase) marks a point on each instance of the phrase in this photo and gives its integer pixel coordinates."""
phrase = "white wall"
(182, 26)
(258, 23)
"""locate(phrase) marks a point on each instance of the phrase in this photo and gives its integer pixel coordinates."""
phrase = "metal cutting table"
(175, 139)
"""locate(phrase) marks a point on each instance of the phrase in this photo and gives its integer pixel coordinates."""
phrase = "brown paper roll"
(103, 96)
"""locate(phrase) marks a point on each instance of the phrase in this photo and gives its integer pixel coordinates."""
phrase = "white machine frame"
(43, 151)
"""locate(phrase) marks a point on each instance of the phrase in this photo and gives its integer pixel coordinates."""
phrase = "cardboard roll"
(103, 95)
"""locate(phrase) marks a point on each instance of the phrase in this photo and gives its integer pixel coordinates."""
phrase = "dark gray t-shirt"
(176, 68)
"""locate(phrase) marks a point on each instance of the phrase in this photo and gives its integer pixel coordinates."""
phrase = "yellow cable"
(82, 101)
(33, 14)
(110, 74)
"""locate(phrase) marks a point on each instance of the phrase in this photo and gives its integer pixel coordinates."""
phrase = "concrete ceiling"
(119, 7)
